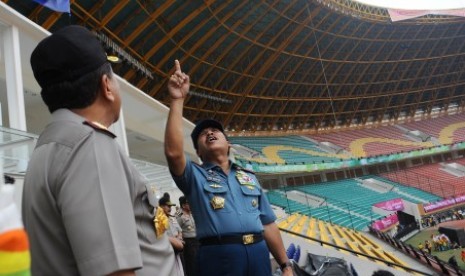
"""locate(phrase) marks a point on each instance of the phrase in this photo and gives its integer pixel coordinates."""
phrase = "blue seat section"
(347, 202)
(297, 156)
(350, 191)
(417, 193)
(337, 215)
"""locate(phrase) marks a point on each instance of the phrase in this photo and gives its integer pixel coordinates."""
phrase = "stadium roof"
(280, 66)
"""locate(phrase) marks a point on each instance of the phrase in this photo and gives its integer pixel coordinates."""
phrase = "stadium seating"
(421, 195)
(371, 141)
(447, 129)
(430, 178)
(335, 235)
(285, 149)
(347, 202)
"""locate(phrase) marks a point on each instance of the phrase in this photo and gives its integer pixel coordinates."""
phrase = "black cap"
(66, 55)
(203, 125)
(182, 200)
(165, 201)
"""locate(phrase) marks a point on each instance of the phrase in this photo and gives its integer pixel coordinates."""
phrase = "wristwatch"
(286, 264)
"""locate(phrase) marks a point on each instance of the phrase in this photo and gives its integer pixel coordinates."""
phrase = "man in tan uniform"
(85, 206)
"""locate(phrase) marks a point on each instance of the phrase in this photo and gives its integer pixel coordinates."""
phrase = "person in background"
(428, 246)
(420, 246)
(174, 233)
(191, 246)
(453, 261)
(85, 206)
(234, 220)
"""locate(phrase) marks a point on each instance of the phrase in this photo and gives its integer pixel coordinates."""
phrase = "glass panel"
(15, 149)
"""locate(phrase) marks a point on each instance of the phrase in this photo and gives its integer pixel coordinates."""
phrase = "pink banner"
(445, 203)
(391, 205)
(385, 222)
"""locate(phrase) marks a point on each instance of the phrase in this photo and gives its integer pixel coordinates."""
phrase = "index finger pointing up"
(177, 66)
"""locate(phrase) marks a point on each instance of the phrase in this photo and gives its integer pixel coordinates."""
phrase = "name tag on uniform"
(213, 179)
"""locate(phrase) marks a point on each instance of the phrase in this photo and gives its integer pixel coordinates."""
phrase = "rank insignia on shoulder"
(100, 128)
(217, 202)
(244, 169)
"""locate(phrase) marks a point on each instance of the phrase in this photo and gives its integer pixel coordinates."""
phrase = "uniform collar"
(209, 165)
(64, 114)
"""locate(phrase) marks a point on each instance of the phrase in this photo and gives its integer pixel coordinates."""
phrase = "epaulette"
(98, 127)
(244, 169)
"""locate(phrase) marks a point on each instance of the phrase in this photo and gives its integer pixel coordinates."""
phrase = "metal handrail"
(357, 253)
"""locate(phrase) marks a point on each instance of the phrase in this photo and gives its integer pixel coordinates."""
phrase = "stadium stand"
(286, 149)
(447, 129)
(345, 210)
(371, 141)
(346, 202)
(429, 178)
(337, 235)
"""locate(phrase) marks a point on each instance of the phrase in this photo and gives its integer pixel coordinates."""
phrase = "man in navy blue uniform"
(235, 223)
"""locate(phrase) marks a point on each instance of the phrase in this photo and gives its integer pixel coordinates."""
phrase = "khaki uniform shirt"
(85, 206)
(187, 223)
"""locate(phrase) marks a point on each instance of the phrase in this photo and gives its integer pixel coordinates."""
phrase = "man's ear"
(106, 88)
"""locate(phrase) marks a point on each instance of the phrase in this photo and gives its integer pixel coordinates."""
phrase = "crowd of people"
(434, 219)
(439, 242)
(88, 211)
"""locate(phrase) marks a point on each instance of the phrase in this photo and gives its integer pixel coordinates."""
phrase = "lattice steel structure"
(279, 66)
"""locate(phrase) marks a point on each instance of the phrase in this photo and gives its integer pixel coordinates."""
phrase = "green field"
(443, 255)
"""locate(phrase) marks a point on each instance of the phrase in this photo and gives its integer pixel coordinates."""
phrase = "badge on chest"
(217, 202)
(245, 179)
(215, 185)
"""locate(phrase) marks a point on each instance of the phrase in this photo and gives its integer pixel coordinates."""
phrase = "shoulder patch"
(100, 129)
(244, 169)
(197, 164)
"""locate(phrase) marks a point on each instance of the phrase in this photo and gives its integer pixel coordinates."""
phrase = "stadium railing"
(448, 270)
(430, 260)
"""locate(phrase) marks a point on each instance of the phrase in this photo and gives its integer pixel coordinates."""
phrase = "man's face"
(166, 209)
(186, 206)
(211, 139)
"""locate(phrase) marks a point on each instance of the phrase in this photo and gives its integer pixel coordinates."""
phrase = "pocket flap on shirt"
(250, 190)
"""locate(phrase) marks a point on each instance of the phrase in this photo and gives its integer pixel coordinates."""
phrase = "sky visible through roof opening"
(416, 4)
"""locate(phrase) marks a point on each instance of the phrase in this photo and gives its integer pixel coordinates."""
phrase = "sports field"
(426, 233)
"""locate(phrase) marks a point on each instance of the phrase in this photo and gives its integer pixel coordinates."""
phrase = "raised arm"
(178, 86)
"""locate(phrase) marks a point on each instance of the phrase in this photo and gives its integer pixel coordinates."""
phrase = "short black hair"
(182, 200)
(164, 201)
(79, 93)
